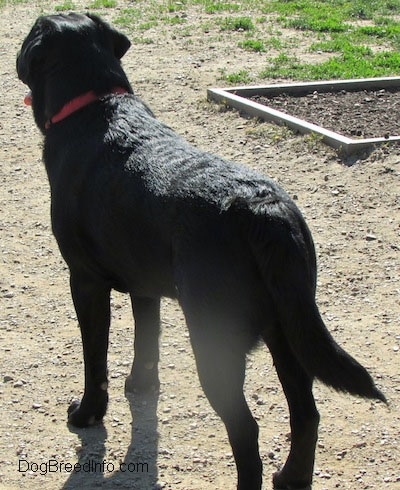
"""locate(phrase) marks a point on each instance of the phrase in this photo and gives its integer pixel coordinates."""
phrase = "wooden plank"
(350, 85)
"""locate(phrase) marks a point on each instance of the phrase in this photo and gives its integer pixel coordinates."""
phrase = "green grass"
(323, 15)
(237, 24)
(213, 7)
(255, 45)
(67, 5)
(353, 47)
(175, 20)
(145, 26)
(129, 17)
(389, 33)
(334, 24)
(241, 77)
(355, 63)
(320, 16)
(99, 4)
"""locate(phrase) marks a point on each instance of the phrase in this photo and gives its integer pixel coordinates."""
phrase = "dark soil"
(361, 114)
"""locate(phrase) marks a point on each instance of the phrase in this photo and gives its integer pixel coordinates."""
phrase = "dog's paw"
(282, 482)
(142, 382)
(79, 417)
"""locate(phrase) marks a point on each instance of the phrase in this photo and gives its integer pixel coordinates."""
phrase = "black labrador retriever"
(136, 208)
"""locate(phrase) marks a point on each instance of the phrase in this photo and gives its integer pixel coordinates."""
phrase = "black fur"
(136, 208)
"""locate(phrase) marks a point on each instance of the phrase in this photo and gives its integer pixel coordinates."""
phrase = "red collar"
(78, 103)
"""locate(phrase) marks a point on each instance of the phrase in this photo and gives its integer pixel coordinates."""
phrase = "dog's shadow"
(138, 470)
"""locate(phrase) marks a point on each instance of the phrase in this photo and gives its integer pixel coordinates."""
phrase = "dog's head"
(66, 55)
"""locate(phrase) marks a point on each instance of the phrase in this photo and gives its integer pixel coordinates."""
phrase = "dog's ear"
(31, 55)
(119, 41)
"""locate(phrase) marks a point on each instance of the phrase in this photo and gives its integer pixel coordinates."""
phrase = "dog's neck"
(78, 103)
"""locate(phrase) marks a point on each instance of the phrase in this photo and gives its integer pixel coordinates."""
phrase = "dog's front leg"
(144, 373)
(92, 304)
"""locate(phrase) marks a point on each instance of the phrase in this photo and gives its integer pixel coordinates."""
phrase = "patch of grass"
(371, 34)
(255, 45)
(282, 63)
(207, 27)
(175, 20)
(329, 15)
(339, 43)
(261, 130)
(356, 63)
(389, 31)
(216, 6)
(313, 140)
(241, 77)
(143, 18)
(320, 16)
(237, 24)
(279, 43)
(370, 10)
(143, 40)
(175, 6)
(129, 17)
(335, 20)
(3, 3)
(99, 4)
(145, 26)
(67, 5)
(317, 24)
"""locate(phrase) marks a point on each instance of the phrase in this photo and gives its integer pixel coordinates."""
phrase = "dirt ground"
(176, 441)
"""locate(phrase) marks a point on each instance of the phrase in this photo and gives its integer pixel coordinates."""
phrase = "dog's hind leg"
(304, 418)
(220, 358)
(92, 304)
(144, 373)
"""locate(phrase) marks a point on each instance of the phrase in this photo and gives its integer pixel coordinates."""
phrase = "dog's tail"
(285, 255)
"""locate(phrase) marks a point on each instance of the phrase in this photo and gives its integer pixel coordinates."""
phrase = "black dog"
(136, 208)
